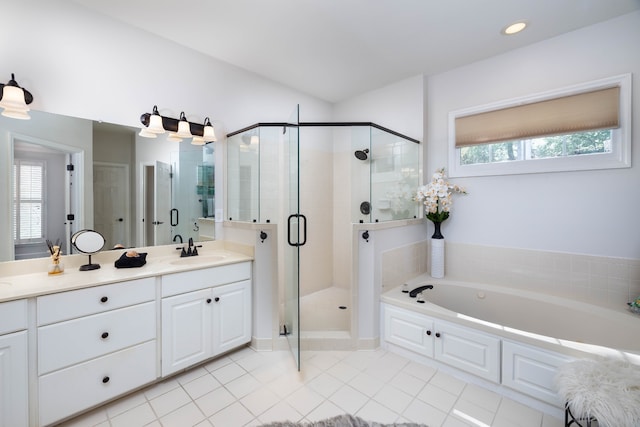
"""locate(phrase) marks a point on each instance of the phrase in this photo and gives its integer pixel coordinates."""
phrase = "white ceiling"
(335, 49)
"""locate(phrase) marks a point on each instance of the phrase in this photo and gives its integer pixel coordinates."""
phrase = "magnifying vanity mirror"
(88, 242)
(134, 191)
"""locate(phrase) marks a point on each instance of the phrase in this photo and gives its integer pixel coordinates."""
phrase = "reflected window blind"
(599, 109)
(28, 195)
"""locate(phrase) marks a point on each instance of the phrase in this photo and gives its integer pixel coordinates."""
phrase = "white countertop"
(29, 278)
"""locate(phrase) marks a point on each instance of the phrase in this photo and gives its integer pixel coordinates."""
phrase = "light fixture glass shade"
(209, 133)
(173, 137)
(147, 133)
(16, 114)
(13, 98)
(155, 124)
(197, 140)
(184, 129)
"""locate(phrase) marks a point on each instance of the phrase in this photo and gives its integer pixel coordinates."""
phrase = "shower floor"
(320, 311)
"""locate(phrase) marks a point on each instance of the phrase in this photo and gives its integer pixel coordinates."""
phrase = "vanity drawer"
(69, 305)
(179, 283)
(68, 391)
(67, 343)
(13, 316)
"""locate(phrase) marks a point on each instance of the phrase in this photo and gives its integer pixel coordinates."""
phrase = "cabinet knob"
(105, 335)
(208, 300)
(105, 380)
(428, 332)
(217, 299)
(437, 334)
(104, 299)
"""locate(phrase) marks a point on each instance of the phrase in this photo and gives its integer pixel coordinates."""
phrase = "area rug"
(340, 421)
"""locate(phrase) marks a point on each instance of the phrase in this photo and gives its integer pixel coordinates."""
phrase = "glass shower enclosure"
(343, 174)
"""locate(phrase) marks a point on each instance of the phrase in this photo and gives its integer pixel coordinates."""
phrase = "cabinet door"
(186, 330)
(469, 350)
(14, 382)
(232, 316)
(409, 330)
(531, 370)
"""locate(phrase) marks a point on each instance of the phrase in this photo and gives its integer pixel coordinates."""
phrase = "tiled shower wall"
(605, 281)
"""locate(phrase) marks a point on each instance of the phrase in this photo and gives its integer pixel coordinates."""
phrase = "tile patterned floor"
(249, 388)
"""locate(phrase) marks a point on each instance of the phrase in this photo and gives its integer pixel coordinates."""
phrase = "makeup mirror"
(88, 242)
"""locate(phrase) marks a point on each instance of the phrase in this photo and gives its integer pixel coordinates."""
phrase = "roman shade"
(598, 109)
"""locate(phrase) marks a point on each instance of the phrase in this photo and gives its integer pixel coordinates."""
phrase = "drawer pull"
(437, 334)
(105, 380)
(428, 332)
(105, 335)
(104, 299)
(217, 299)
(208, 300)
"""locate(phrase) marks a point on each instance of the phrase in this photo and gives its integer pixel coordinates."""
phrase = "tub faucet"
(418, 290)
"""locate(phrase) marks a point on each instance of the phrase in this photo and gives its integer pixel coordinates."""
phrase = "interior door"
(111, 203)
(161, 204)
(296, 237)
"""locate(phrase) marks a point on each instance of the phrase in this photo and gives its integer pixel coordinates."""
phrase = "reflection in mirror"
(88, 242)
(83, 174)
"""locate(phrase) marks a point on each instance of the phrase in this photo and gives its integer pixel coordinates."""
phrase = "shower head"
(361, 154)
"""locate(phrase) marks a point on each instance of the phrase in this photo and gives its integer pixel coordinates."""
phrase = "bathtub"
(531, 316)
(529, 334)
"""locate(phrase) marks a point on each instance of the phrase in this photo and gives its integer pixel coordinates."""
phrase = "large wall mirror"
(62, 174)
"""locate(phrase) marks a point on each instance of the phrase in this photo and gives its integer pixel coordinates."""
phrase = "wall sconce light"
(184, 130)
(155, 124)
(14, 100)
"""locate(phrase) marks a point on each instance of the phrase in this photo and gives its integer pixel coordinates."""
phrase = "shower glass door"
(296, 237)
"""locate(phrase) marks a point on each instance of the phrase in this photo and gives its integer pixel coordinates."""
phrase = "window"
(28, 201)
(578, 128)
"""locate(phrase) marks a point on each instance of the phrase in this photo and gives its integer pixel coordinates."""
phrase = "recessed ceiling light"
(514, 28)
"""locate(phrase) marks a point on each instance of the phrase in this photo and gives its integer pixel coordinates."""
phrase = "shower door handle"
(304, 230)
(174, 211)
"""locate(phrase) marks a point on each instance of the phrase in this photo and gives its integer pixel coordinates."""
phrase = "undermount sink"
(199, 259)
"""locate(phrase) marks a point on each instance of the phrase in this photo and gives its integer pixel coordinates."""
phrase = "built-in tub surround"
(560, 324)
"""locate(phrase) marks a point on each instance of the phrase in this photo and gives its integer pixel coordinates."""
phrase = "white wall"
(80, 63)
(398, 106)
(592, 212)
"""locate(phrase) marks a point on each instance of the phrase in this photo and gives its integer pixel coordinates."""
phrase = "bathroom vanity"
(72, 342)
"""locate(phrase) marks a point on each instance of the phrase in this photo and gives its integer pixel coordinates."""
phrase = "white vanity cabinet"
(205, 312)
(14, 381)
(93, 345)
(472, 351)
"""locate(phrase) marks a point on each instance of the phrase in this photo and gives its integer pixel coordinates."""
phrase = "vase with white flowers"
(437, 197)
